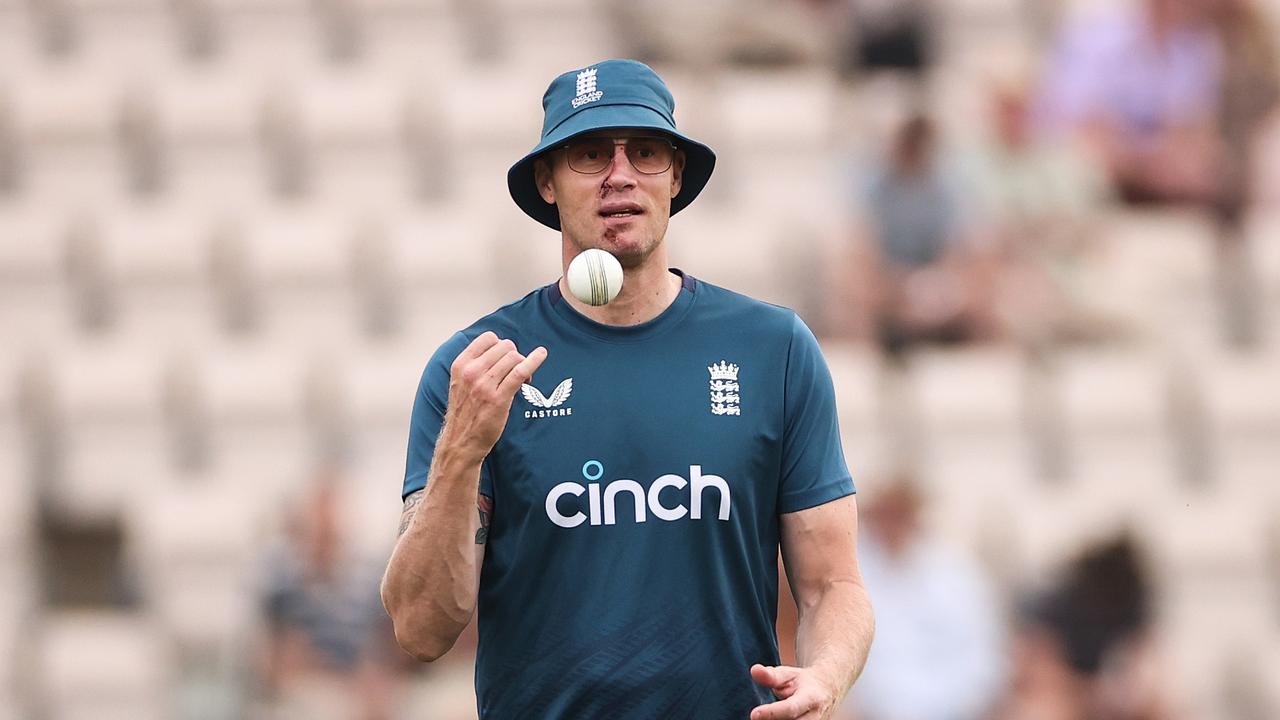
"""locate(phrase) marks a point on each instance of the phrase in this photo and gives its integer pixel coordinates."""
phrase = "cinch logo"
(602, 508)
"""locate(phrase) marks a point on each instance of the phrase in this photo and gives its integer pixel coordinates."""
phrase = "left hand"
(804, 695)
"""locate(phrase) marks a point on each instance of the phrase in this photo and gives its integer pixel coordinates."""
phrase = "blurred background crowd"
(1039, 241)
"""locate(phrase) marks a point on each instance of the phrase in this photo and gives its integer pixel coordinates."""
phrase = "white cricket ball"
(595, 277)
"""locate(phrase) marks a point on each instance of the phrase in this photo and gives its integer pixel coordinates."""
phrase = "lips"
(620, 210)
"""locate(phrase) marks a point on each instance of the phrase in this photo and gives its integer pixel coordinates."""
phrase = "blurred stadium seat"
(1118, 436)
(65, 117)
(209, 119)
(374, 380)
(17, 521)
(969, 391)
(730, 248)
(447, 263)
(17, 495)
(1209, 554)
(35, 302)
(194, 541)
(103, 665)
(1242, 395)
(351, 121)
(157, 260)
(859, 379)
(777, 136)
(974, 455)
(255, 395)
(109, 406)
(117, 38)
(272, 35)
(1265, 256)
(297, 255)
(1158, 271)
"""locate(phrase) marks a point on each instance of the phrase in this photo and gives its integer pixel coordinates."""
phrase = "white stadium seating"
(235, 231)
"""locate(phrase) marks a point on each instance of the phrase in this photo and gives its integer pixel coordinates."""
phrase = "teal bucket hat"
(609, 94)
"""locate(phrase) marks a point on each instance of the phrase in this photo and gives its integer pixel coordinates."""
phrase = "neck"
(647, 290)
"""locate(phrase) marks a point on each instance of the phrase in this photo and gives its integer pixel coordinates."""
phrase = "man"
(1139, 85)
(326, 653)
(941, 653)
(661, 447)
(926, 284)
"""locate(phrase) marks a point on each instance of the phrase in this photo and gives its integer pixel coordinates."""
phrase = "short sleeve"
(429, 405)
(813, 465)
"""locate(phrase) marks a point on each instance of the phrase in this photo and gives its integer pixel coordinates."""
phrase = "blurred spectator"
(1250, 90)
(921, 284)
(1086, 650)
(329, 647)
(1139, 85)
(938, 653)
(1033, 205)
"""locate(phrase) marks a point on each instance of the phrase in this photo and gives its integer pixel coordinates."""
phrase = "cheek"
(574, 201)
(659, 226)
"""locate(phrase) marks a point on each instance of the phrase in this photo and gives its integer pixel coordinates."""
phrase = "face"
(894, 517)
(619, 208)
(1010, 111)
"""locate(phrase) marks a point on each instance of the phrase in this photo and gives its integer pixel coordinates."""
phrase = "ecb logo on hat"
(587, 91)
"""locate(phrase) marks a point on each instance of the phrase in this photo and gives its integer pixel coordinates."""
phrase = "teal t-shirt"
(631, 566)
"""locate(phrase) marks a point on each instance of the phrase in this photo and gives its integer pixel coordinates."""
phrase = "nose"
(621, 173)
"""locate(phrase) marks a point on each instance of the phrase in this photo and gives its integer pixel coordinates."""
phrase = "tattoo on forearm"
(411, 504)
(484, 505)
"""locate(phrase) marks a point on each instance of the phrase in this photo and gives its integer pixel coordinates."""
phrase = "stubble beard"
(632, 254)
(639, 252)
(632, 257)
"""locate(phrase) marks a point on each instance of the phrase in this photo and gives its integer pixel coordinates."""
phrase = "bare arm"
(819, 547)
(432, 579)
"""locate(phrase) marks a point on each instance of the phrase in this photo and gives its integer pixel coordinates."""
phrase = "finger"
(793, 707)
(483, 341)
(523, 371)
(483, 364)
(500, 369)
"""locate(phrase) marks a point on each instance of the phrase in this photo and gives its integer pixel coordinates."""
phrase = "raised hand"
(483, 381)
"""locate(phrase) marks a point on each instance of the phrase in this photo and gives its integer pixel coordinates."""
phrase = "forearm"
(433, 576)
(835, 632)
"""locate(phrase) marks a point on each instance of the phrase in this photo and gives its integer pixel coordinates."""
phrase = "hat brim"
(699, 159)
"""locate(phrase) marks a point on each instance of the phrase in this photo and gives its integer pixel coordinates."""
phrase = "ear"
(677, 172)
(542, 180)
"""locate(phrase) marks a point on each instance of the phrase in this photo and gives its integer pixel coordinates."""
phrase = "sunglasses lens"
(649, 155)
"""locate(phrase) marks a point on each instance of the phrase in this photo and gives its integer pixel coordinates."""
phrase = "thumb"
(772, 677)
